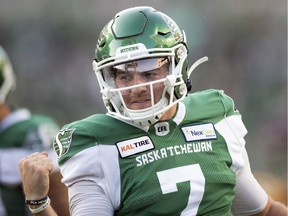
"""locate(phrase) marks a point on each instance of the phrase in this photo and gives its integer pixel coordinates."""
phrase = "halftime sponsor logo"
(133, 146)
(204, 131)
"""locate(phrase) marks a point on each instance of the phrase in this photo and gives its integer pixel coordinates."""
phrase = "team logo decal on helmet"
(63, 141)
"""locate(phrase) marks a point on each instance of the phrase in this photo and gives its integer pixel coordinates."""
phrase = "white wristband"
(40, 208)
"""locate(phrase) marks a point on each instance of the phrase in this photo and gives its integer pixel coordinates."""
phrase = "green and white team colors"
(21, 134)
(184, 166)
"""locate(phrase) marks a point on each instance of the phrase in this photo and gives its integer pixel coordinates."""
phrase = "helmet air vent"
(101, 45)
(163, 33)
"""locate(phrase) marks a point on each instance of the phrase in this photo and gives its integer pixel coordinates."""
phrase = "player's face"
(136, 73)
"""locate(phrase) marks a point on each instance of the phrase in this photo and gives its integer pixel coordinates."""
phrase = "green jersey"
(21, 133)
(183, 166)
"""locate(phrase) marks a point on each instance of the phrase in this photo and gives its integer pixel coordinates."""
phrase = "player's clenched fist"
(35, 170)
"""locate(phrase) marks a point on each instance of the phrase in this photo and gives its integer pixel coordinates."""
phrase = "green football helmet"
(144, 36)
(7, 76)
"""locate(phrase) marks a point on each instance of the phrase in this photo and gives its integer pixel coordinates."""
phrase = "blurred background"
(51, 45)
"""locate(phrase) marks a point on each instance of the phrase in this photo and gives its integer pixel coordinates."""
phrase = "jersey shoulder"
(88, 132)
(210, 105)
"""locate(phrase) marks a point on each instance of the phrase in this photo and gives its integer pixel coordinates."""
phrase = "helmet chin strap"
(196, 64)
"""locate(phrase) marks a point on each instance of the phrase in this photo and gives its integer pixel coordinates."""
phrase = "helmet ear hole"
(181, 52)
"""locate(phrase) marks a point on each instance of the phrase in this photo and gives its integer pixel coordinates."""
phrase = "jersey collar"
(180, 114)
(178, 118)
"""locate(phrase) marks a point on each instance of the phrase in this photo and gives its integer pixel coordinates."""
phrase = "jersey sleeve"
(82, 197)
(85, 168)
(228, 104)
(233, 130)
(72, 139)
(250, 198)
(84, 158)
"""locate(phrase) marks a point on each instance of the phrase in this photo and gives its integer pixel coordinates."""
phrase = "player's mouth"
(140, 104)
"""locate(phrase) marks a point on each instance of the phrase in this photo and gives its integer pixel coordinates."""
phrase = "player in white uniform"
(158, 150)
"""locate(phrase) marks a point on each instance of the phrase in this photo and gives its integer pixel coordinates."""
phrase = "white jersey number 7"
(168, 180)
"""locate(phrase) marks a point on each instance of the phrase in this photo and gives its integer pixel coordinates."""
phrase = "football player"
(22, 133)
(158, 150)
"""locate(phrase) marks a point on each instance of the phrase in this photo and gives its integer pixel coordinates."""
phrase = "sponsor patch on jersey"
(204, 131)
(134, 146)
(63, 141)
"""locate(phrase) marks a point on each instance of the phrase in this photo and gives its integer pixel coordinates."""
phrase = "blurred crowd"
(51, 45)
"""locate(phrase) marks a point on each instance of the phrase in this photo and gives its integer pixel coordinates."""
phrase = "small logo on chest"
(204, 131)
(134, 146)
(162, 128)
